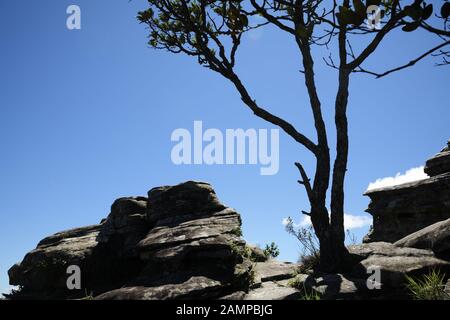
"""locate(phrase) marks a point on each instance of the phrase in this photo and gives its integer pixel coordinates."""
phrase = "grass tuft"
(430, 287)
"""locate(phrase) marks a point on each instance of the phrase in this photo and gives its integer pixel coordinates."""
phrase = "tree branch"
(266, 115)
(407, 65)
(306, 182)
(377, 39)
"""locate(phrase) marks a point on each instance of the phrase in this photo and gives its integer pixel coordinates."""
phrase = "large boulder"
(406, 208)
(43, 270)
(273, 270)
(435, 237)
(180, 242)
(394, 263)
(194, 287)
(104, 252)
(172, 204)
(271, 281)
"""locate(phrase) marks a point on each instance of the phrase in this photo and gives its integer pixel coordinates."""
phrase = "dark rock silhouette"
(435, 237)
(403, 209)
(180, 242)
(440, 163)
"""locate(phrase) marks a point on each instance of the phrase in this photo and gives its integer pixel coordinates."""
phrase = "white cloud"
(355, 222)
(305, 221)
(413, 174)
(350, 222)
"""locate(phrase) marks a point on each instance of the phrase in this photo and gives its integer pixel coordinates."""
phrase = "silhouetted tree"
(211, 31)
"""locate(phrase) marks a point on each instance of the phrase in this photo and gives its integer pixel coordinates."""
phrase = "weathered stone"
(440, 163)
(257, 254)
(394, 263)
(188, 198)
(192, 232)
(406, 208)
(273, 291)
(435, 237)
(194, 288)
(238, 295)
(337, 287)
(364, 251)
(180, 243)
(403, 209)
(125, 226)
(105, 253)
(273, 270)
(44, 268)
(170, 235)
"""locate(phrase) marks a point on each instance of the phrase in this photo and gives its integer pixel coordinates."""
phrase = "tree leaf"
(445, 10)
(145, 16)
(414, 11)
(348, 16)
(373, 3)
(360, 8)
(427, 11)
(244, 20)
(411, 26)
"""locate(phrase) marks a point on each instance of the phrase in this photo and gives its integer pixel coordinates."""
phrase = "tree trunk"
(340, 163)
(334, 256)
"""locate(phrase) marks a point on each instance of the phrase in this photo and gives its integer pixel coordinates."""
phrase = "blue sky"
(86, 117)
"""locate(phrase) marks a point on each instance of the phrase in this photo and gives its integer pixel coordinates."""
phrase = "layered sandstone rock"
(435, 237)
(403, 209)
(180, 242)
(440, 163)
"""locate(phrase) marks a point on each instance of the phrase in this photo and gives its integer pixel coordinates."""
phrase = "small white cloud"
(304, 222)
(411, 175)
(355, 222)
(350, 222)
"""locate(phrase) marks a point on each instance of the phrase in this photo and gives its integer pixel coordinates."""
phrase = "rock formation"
(403, 209)
(179, 242)
(393, 263)
(435, 237)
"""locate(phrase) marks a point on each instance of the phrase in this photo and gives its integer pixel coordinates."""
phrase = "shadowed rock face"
(403, 209)
(180, 242)
(440, 163)
(435, 237)
(394, 264)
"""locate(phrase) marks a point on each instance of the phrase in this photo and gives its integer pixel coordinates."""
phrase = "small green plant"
(296, 282)
(308, 262)
(243, 251)
(430, 287)
(271, 251)
(252, 275)
(88, 295)
(310, 294)
(310, 256)
(237, 231)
